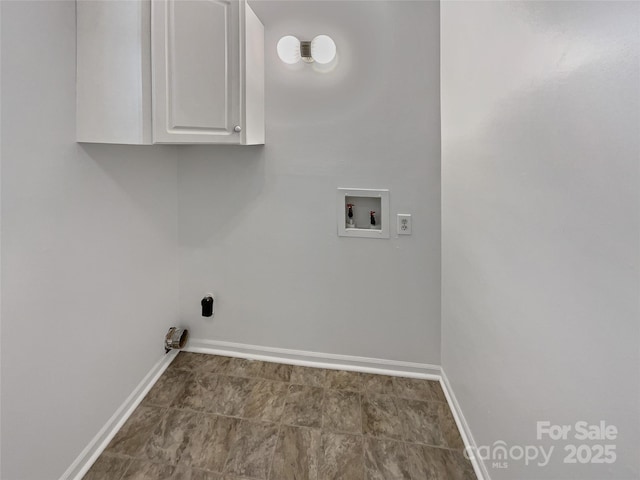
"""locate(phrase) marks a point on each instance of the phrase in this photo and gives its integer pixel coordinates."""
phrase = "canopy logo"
(499, 454)
(592, 450)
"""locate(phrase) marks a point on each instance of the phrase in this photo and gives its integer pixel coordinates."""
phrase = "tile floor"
(219, 418)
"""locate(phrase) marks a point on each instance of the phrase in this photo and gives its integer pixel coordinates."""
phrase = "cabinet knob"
(237, 129)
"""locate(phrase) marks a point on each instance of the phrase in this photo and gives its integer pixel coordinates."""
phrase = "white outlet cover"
(404, 224)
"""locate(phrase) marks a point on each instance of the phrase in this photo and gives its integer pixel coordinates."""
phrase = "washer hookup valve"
(350, 221)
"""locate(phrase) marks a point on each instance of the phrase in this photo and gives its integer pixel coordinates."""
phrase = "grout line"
(360, 397)
(280, 423)
(226, 374)
(364, 439)
(163, 412)
(130, 460)
(284, 406)
(273, 453)
(232, 444)
(406, 456)
(320, 452)
(322, 407)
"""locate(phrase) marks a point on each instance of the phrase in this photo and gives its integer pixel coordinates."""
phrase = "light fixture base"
(321, 50)
(305, 52)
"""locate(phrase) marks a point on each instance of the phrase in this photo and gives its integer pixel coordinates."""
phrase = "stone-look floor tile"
(438, 463)
(241, 367)
(143, 470)
(297, 452)
(458, 466)
(216, 364)
(219, 394)
(172, 437)
(436, 392)
(184, 473)
(198, 392)
(266, 401)
(314, 377)
(275, 371)
(320, 432)
(213, 364)
(170, 384)
(132, 437)
(385, 460)
(380, 417)
(200, 362)
(341, 411)
(412, 388)
(192, 439)
(343, 380)
(341, 457)
(449, 428)
(230, 395)
(377, 384)
(107, 467)
(187, 361)
(303, 406)
(252, 451)
(211, 442)
(427, 462)
(420, 422)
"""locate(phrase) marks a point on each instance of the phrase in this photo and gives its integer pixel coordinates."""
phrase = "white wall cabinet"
(169, 71)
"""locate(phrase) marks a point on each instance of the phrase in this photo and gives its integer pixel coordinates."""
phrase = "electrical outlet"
(404, 224)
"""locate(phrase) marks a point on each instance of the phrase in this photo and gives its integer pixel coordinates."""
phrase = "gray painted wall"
(540, 223)
(92, 231)
(258, 224)
(89, 237)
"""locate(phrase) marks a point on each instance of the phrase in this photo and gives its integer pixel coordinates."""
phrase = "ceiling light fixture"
(322, 49)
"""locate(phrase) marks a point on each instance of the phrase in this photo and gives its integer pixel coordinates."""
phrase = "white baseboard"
(352, 363)
(281, 355)
(92, 451)
(315, 359)
(469, 442)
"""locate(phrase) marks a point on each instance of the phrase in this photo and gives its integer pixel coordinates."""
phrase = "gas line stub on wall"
(362, 212)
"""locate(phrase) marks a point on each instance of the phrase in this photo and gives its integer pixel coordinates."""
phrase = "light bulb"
(289, 49)
(323, 49)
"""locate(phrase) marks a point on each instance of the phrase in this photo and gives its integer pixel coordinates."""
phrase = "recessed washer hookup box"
(362, 212)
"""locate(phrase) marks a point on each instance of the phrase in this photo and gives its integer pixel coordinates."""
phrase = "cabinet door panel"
(196, 71)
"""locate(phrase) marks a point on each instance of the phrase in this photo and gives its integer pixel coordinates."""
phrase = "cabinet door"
(196, 71)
